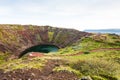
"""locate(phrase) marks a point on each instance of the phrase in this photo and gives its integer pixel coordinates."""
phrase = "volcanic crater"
(19, 39)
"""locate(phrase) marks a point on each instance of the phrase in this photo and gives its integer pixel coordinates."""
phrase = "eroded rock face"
(17, 38)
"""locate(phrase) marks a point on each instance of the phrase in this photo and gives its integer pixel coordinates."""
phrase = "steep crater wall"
(17, 38)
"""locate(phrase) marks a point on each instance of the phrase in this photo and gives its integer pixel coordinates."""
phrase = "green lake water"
(41, 48)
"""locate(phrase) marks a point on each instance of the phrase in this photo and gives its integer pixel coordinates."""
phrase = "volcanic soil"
(46, 73)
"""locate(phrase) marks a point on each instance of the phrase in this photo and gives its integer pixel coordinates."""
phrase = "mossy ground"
(15, 64)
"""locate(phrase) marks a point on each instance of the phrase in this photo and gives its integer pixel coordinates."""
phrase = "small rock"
(32, 74)
(29, 79)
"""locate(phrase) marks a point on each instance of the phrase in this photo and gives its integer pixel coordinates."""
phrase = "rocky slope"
(46, 73)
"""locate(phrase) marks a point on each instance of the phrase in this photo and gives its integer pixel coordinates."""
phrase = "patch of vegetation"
(11, 65)
(8, 37)
(96, 67)
(98, 78)
(97, 63)
(86, 52)
(61, 37)
(66, 50)
(108, 55)
(67, 69)
(109, 77)
(3, 57)
(87, 44)
(38, 38)
(50, 36)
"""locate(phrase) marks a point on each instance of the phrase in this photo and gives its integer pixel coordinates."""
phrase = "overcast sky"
(77, 14)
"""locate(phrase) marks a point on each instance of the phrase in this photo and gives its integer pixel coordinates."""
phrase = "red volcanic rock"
(35, 54)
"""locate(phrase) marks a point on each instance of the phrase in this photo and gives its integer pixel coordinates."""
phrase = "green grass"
(66, 50)
(11, 65)
(96, 67)
(88, 44)
(67, 69)
(50, 36)
(97, 63)
(3, 57)
(104, 54)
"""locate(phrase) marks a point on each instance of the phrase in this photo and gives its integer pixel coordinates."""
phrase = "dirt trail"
(94, 50)
(46, 73)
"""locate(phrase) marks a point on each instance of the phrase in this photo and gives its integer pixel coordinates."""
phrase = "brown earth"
(46, 73)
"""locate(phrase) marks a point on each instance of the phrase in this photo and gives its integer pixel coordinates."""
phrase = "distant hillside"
(115, 31)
